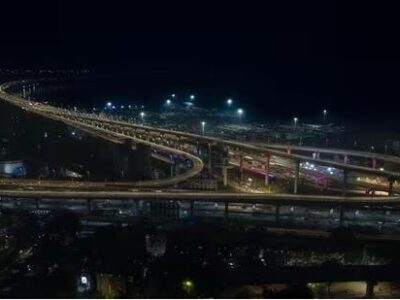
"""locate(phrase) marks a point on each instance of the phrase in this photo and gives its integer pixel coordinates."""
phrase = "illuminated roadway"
(177, 142)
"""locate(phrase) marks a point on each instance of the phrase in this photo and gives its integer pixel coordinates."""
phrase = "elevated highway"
(180, 143)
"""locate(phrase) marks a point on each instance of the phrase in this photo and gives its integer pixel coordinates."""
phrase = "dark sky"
(292, 55)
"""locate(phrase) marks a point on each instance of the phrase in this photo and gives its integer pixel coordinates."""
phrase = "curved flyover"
(49, 112)
(171, 140)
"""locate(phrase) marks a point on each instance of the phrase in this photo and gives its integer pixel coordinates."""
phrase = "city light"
(240, 111)
(187, 286)
(142, 114)
(324, 113)
(173, 95)
(168, 102)
(295, 120)
(203, 125)
(191, 97)
(109, 104)
(229, 102)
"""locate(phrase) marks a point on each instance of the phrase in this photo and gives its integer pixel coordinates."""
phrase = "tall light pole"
(324, 112)
(295, 120)
(168, 102)
(240, 113)
(229, 101)
(191, 97)
(203, 126)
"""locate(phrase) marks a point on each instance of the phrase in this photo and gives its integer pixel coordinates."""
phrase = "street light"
(240, 112)
(173, 95)
(187, 286)
(295, 120)
(191, 97)
(142, 115)
(229, 102)
(324, 113)
(109, 104)
(203, 125)
(168, 102)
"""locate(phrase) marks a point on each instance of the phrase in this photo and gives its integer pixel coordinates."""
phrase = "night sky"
(289, 58)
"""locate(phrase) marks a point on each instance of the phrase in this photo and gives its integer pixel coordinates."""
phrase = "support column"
(209, 161)
(374, 162)
(172, 169)
(197, 148)
(225, 175)
(390, 189)
(277, 210)
(345, 179)
(191, 208)
(296, 176)
(369, 293)
(341, 215)
(89, 205)
(266, 168)
(137, 206)
(345, 159)
(226, 209)
(241, 167)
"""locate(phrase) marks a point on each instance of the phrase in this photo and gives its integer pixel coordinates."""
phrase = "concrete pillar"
(226, 209)
(89, 205)
(345, 159)
(137, 206)
(197, 149)
(277, 210)
(225, 175)
(374, 162)
(288, 150)
(341, 215)
(390, 189)
(209, 161)
(369, 293)
(173, 169)
(241, 167)
(345, 179)
(266, 168)
(296, 176)
(192, 208)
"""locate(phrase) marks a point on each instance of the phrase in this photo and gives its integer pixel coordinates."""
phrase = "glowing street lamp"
(324, 113)
(295, 120)
(203, 125)
(229, 102)
(142, 115)
(191, 97)
(168, 102)
(109, 104)
(173, 95)
(240, 113)
(187, 286)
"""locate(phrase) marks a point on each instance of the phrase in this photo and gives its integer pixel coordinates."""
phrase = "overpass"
(187, 145)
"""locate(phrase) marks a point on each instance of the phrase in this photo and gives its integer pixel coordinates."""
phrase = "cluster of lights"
(229, 102)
